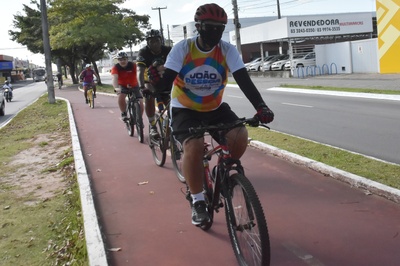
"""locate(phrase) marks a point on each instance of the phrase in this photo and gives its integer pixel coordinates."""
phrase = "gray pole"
(161, 28)
(279, 17)
(237, 27)
(279, 9)
(47, 52)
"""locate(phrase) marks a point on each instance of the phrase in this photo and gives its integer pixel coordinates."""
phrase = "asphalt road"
(24, 93)
(363, 125)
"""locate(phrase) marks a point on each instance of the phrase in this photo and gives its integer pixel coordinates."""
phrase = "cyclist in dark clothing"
(153, 54)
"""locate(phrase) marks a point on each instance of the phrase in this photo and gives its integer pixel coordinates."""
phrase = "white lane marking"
(340, 93)
(300, 105)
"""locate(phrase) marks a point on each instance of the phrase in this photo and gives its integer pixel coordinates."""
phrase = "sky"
(175, 12)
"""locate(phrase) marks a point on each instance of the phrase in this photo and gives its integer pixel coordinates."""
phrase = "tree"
(93, 27)
(80, 31)
(29, 29)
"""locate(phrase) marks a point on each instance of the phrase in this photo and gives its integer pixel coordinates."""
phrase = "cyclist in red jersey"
(124, 79)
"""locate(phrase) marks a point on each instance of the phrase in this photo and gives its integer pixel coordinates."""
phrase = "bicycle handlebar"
(253, 122)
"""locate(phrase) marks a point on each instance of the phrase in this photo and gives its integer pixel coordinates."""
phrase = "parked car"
(249, 64)
(267, 64)
(280, 64)
(258, 65)
(301, 61)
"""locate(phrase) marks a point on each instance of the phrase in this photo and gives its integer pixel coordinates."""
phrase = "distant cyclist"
(153, 54)
(87, 77)
(198, 70)
(59, 78)
(124, 79)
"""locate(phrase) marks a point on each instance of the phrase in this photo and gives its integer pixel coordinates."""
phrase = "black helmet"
(211, 12)
(122, 55)
(152, 34)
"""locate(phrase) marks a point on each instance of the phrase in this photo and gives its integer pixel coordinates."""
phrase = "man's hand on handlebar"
(147, 93)
(264, 114)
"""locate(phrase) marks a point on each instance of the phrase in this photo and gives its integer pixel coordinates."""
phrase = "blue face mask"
(211, 34)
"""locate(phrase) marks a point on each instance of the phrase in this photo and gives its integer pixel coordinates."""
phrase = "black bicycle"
(164, 141)
(227, 186)
(134, 116)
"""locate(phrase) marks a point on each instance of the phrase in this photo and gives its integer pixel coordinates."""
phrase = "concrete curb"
(354, 180)
(94, 240)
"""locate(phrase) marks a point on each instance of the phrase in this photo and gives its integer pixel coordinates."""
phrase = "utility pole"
(279, 9)
(237, 27)
(159, 14)
(47, 52)
(279, 17)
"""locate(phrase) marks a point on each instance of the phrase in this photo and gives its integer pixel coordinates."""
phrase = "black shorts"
(183, 118)
(135, 90)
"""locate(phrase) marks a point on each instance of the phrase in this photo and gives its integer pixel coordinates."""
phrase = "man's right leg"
(193, 171)
(122, 106)
(85, 93)
(150, 113)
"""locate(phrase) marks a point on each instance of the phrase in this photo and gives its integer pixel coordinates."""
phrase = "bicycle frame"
(225, 164)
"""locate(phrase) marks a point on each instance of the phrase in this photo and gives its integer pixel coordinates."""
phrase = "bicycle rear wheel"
(177, 158)
(139, 122)
(246, 223)
(130, 119)
(158, 144)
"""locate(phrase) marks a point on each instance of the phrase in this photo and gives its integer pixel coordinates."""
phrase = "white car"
(251, 63)
(267, 63)
(258, 65)
(280, 65)
(301, 61)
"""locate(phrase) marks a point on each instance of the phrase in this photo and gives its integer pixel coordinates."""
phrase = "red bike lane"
(145, 219)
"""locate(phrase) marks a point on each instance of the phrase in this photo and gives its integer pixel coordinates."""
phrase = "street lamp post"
(159, 14)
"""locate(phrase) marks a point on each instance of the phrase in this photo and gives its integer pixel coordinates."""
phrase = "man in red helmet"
(198, 70)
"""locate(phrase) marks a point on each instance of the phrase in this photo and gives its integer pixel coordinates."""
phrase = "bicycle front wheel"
(130, 120)
(246, 223)
(157, 144)
(139, 122)
(177, 158)
(90, 98)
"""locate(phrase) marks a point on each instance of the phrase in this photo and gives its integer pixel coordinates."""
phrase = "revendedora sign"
(332, 24)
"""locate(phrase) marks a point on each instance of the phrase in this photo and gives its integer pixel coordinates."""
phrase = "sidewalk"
(369, 81)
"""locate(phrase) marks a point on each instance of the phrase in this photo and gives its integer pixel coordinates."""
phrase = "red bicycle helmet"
(211, 12)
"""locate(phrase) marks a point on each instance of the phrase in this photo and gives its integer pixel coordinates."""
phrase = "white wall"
(364, 55)
(349, 57)
(335, 56)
